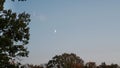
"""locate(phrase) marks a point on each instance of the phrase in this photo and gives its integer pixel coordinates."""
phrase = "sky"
(88, 28)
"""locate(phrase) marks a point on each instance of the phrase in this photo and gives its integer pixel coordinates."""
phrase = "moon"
(55, 31)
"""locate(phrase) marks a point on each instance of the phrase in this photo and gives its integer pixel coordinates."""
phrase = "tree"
(65, 61)
(114, 66)
(103, 65)
(90, 65)
(14, 35)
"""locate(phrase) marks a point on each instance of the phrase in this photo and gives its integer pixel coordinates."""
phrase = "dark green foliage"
(65, 61)
(3, 1)
(14, 35)
(1, 4)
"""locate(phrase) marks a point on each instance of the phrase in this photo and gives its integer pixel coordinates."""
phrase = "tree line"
(71, 60)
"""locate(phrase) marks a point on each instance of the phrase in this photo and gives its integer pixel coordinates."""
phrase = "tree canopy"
(3, 1)
(14, 35)
(65, 61)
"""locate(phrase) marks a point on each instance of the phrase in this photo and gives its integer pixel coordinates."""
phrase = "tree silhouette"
(114, 66)
(90, 65)
(14, 35)
(65, 61)
(103, 65)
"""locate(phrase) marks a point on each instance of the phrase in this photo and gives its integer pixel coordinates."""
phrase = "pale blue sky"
(88, 28)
